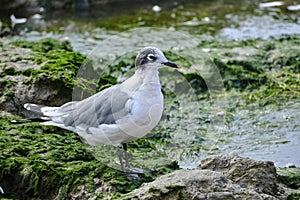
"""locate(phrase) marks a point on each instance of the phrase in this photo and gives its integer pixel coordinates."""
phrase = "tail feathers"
(29, 120)
(37, 109)
(55, 114)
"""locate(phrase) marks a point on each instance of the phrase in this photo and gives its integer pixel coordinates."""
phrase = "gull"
(118, 114)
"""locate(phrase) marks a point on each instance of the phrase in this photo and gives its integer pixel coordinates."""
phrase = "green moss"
(241, 74)
(38, 160)
(293, 196)
(59, 66)
(43, 45)
(289, 176)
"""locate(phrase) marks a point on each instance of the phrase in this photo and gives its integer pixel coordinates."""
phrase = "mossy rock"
(46, 70)
(44, 45)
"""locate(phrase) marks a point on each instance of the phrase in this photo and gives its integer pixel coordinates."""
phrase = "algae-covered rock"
(41, 72)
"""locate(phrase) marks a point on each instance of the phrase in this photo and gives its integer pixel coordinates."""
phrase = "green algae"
(293, 196)
(63, 68)
(241, 74)
(270, 89)
(261, 69)
(43, 45)
(30, 159)
(290, 176)
(61, 65)
(44, 161)
(254, 82)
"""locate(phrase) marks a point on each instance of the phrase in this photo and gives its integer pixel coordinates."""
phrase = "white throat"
(148, 75)
(143, 78)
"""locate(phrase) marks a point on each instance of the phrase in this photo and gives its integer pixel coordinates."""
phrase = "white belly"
(146, 112)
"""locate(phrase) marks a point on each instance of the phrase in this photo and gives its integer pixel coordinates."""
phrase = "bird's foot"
(133, 176)
(133, 173)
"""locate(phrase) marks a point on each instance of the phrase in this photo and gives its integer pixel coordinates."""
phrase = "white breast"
(146, 111)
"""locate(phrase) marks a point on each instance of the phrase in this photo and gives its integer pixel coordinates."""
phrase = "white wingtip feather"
(27, 106)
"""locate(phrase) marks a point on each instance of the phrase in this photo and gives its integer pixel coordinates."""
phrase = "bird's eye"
(151, 57)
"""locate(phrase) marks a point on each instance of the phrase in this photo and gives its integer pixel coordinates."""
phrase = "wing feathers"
(105, 107)
(101, 108)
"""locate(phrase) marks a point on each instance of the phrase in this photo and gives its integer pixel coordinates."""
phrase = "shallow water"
(87, 28)
(269, 133)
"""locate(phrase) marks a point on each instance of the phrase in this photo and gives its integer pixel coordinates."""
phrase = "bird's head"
(153, 57)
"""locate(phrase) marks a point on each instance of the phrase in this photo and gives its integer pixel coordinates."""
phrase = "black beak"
(170, 64)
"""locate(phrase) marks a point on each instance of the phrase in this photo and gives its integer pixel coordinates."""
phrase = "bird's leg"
(126, 155)
(133, 176)
(134, 170)
(121, 160)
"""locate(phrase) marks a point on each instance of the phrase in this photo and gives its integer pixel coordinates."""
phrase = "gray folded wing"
(105, 107)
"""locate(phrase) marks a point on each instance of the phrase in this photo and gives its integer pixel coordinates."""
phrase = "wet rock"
(217, 177)
(13, 59)
(257, 175)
